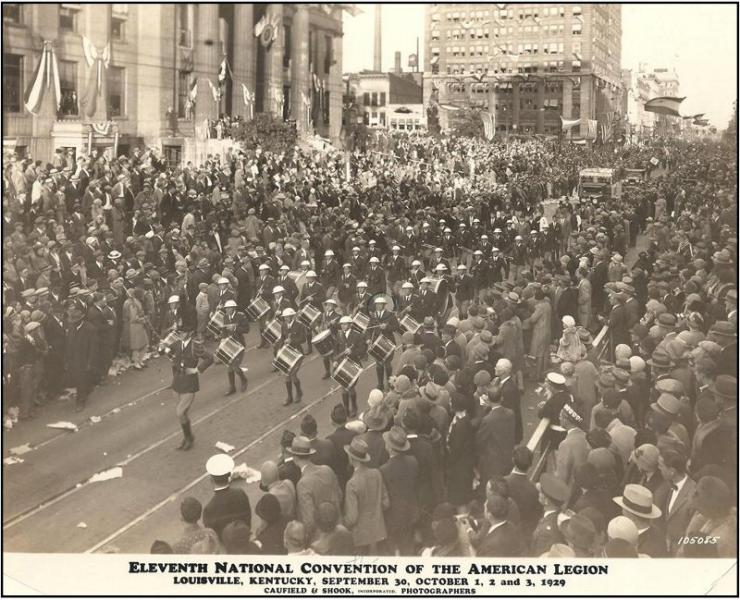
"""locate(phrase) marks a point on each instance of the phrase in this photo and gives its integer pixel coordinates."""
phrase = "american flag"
(488, 124)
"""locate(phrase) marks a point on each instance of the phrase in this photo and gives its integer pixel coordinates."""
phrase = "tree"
(466, 122)
(730, 134)
(274, 135)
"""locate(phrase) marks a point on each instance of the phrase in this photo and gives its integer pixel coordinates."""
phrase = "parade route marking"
(145, 515)
(19, 518)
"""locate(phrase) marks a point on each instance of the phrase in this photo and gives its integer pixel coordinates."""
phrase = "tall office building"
(143, 61)
(535, 62)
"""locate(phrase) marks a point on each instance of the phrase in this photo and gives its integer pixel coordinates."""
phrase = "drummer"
(172, 319)
(383, 322)
(349, 344)
(189, 358)
(362, 299)
(265, 283)
(279, 300)
(346, 289)
(293, 334)
(287, 283)
(312, 293)
(427, 300)
(235, 327)
(329, 320)
(224, 292)
(408, 302)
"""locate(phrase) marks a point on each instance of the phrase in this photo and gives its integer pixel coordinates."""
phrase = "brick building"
(534, 62)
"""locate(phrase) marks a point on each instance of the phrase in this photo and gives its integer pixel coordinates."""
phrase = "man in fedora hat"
(553, 494)
(80, 355)
(227, 504)
(674, 496)
(365, 500)
(400, 475)
(714, 448)
(376, 419)
(494, 439)
(340, 437)
(317, 484)
(637, 504)
(725, 334)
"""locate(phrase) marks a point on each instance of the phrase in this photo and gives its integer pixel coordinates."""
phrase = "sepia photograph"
(362, 299)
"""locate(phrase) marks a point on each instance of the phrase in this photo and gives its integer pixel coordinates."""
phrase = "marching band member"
(463, 285)
(383, 322)
(329, 320)
(376, 281)
(346, 289)
(265, 284)
(287, 283)
(427, 300)
(417, 273)
(279, 301)
(292, 334)
(408, 302)
(350, 344)
(235, 326)
(362, 299)
(224, 293)
(396, 265)
(189, 358)
(313, 293)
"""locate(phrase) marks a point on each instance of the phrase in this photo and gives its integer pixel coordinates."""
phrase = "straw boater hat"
(638, 500)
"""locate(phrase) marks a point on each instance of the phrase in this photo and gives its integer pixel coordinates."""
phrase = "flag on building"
(591, 129)
(665, 105)
(488, 124)
(193, 90)
(568, 124)
(223, 71)
(47, 71)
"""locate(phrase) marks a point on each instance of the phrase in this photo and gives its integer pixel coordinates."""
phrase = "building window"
(366, 99)
(68, 86)
(172, 155)
(116, 91)
(374, 100)
(183, 89)
(577, 28)
(325, 107)
(382, 119)
(328, 53)
(12, 82)
(67, 18)
(382, 99)
(577, 11)
(184, 25)
(287, 47)
(118, 28)
(12, 13)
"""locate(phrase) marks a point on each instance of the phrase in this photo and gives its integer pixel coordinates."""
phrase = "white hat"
(416, 263)
(264, 267)
(174, 298)
(462, 268)
(425, 280)
(288, 312)
(344, 320)
(311, 274)
(478, 252)
(285, 268)
(346, 265)
(355, 249)
(556, 378)
(484, 237)
(330, 301)
(361, 284)
(329, 253)
(407, 285)
(409, 228)
(494, 249)
(278, 289)
(229, 304)
(396, 248)
(519, 237)
(219, 465)
(372, 242)
(438, 250)
(305, 263)
(380, 299)
(425, 225)
(374, 259)
(223, 281)
(448, 230)
(441, 267)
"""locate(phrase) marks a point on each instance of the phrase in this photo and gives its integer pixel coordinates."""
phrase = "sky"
(698, 40)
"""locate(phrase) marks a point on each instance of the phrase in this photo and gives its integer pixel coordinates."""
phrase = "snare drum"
(347, 373)
(324, 342)
(230, 352)
(382, 349)
(410, 324)
(273, 331)
(216, 323)
(258, 308)
(288, 360)
(360, 323)
(170, 340)
(309, 315)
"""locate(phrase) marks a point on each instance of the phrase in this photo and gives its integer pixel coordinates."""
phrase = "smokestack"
(377, 65)
(397, 63)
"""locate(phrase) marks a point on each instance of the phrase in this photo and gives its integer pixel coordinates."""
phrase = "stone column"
(274, 63)
(336, 91)
(96, 19)
(515, 101)
(244, 57)
(540, 100)
(299, 68)
(567, 99)
(47, 27)
(492, 93)
(586, 102)
(206, 61)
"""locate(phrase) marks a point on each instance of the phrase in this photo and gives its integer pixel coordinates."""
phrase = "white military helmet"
(223, 281)
(229, 304)
(278, 289)
(344, 320)
(311, 274)
(288, 312)
(173, 299)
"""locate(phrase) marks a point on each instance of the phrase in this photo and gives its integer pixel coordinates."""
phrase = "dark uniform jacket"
(227, 505)
(235, 326)
(184, 356)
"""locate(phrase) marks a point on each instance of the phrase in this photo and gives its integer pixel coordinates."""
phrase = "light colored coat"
(540, 323)
(366, 498)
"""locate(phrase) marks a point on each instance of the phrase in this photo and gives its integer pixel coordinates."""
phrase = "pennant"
(353, 9)
(568, 124)
(215, 92)
(223, 71)
(259, 26)
(665, 105)
(193, 94)
(488, 125)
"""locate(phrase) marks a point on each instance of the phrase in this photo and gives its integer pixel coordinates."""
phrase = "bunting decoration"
(96, 60)
(249, 99)
(46, 74)
(102, 128)
(266, 30)
(307, 107)
(215, 92)
(193, 94)
(665, 105)
(568, 124)
(488, 125)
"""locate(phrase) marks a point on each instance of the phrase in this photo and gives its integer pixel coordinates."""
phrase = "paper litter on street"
(113, 473)
(82, 525)
(63, 425)
(96, 419)
(223, 446)
(18, 450)
(249, 474)
(12, 460)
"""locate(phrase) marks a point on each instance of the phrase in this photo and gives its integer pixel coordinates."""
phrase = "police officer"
(235, 327)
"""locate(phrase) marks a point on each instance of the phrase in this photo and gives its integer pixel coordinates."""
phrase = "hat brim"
(308, 452)
(364, 459)
(655, 512)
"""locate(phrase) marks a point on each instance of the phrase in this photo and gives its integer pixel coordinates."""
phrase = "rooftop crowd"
(643, 432)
